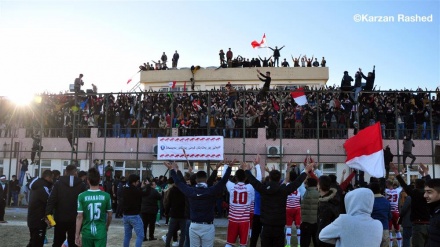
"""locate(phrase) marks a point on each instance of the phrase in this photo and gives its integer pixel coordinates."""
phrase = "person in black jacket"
(346, 82)
(36, 218)
(3, 195)
(432, 196)
(190, 179)
(369, 80)
(273, 203)
(62, 204)
(36, 147)
(388, 158)
(174, 207)
(276, 54)
(266, 87)
(24, 168)
(419, 208)
(149, 211)
(328, 206)
(119, 197)
(202, 203)
(131, 204)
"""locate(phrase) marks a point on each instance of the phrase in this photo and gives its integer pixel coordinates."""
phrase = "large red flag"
(262, 44)
(299, 96)
(365, 151)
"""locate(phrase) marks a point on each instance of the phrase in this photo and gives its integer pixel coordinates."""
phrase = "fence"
(124, 127)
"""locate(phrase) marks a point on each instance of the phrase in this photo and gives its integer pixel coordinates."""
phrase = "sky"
(44, 45)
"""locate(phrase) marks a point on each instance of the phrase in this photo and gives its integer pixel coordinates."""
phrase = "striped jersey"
(294, 200)
(240, 197)
(393, 197)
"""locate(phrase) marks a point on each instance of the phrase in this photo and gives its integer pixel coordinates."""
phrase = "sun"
(20, 97)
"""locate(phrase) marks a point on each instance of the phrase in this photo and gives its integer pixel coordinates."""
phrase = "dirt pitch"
(15, 233)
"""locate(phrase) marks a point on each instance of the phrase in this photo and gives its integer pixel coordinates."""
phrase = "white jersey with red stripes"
(240, 197)
(393, 197)
(294, 200)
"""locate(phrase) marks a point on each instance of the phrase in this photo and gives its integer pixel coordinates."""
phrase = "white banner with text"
(195, 147)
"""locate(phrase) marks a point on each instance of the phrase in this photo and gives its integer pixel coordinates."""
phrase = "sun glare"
(21, 98)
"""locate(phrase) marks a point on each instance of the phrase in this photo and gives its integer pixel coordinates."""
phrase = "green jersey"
(94, 204)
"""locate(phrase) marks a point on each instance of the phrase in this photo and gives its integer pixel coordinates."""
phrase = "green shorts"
(86, 242)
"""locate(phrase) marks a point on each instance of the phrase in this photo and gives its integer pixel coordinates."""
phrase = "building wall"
(205, 79)
(57, 152)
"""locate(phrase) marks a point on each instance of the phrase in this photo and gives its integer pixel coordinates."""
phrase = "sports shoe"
(175, 244)
(157, 223)
(164, 238)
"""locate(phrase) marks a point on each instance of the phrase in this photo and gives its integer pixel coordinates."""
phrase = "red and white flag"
(262, 44)
(172, 84)
(365, 151)
(299, 96)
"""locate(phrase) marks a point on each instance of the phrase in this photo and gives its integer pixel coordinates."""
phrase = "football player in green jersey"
(94, 214)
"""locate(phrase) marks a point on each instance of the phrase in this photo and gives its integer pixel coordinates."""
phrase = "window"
(328, 168)
(1, 166)
(128, 172)
(234, 169)
(199, 166)
(119, 164)
(67, 162)
(46, 163)
(131, 164)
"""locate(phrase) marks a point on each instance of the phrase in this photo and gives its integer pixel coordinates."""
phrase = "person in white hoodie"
(356, 228)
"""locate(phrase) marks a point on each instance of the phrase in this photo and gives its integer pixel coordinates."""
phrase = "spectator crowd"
(230, 112)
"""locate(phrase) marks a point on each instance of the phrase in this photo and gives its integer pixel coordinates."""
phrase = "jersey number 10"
(240, 198)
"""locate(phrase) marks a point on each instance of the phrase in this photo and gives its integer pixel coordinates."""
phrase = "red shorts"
(238, 229)
(251, 217)
(394, 221)
(293, 214)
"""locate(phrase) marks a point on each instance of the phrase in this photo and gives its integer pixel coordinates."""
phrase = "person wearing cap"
(202, 200)
(3, 195)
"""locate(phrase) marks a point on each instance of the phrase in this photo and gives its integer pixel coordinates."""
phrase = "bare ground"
(15, 233)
